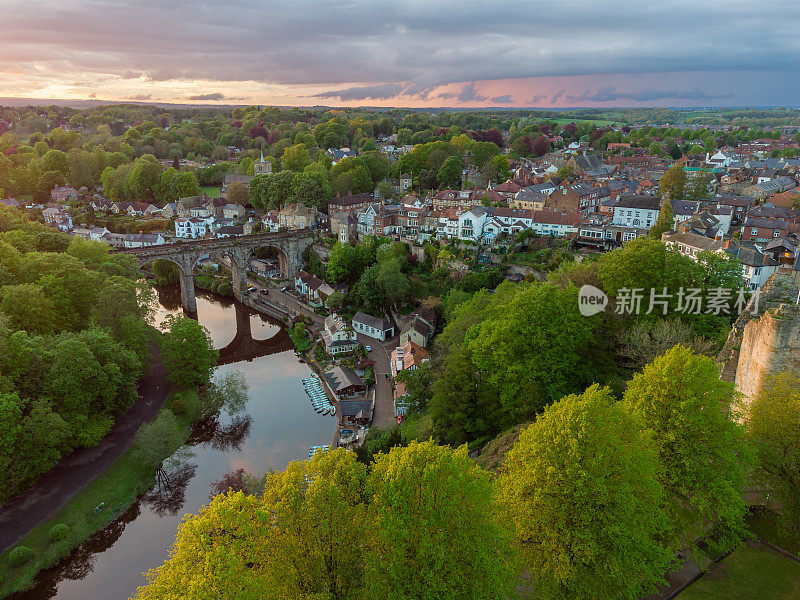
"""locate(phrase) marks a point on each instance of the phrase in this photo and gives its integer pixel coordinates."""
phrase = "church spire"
(262, 155)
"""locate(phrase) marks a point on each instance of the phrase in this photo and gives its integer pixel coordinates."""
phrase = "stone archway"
(280, 256)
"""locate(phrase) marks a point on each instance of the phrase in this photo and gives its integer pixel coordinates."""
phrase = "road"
(74, 473)
(384, 404)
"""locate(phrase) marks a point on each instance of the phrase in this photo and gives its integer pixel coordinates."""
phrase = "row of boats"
(312, 450)
(319, 399)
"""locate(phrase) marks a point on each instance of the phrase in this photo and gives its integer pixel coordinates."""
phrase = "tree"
(295, 158)
(698, 187)
(236, 193)
(565, 172)
(312, 189)
(345, 263)
(665, 221)
(449, 175)
(187, 352)
(540, 146)
(144, 179)
(435, 534)
(773, 421)
(296, 541)
(186, 185)
(393, 282)
(500, 168)
(673, 182)
(687, 407)
(483, 152)
(580, 488)
(158, 439)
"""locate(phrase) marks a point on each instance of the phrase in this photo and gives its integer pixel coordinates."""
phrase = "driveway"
(384, 405)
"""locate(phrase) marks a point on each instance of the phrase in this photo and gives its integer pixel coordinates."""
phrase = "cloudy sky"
(405, 52)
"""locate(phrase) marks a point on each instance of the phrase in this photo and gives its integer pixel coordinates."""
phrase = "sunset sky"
(404, 53)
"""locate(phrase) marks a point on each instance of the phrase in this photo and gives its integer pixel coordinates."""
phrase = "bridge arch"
(237, 249)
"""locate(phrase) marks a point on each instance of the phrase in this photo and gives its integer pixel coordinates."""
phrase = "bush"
(19, 556)
(225, 289)
(59, 532)
(178, 405)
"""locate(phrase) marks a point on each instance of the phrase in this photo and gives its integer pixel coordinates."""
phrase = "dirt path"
(54, 489)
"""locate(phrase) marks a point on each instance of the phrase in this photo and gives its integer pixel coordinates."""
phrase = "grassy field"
(765, 525)
(752, 571)
(118, 487)
(212, 191)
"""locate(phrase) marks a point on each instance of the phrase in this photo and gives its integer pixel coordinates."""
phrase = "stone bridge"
(238, 250)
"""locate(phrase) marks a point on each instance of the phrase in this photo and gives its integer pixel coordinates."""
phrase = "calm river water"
(277, 426)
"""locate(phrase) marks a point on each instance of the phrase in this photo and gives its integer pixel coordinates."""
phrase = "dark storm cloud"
(469, 94)
(416, 45)
(211, 96)
(369, 92)
(610, 94)
(505, 99)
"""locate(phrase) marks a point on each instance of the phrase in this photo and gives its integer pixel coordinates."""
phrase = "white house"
(372, 326)
(338, 336)
(192, 227)
(636, 211)
(470, 223)
(139, 240)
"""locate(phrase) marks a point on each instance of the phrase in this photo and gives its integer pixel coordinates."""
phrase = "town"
(423, 271)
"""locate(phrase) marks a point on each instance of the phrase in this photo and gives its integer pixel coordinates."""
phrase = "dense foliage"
(75, 339)
(419, 524)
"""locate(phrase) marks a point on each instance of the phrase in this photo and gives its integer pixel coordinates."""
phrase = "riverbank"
(21, 513)
(115, 490)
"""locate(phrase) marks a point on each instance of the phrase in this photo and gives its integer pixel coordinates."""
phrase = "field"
(212, 191)
(752, 571)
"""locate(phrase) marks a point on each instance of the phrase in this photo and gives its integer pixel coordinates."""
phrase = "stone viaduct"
(237, 250)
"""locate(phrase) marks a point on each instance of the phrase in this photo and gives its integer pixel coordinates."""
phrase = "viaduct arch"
(186, 254)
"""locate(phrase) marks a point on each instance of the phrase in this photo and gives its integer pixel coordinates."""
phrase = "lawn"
(118, 487)
(765, 524)
(752, 571)
(212, 191)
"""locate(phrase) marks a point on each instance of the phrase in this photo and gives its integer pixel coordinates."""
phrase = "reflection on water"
(277, 426)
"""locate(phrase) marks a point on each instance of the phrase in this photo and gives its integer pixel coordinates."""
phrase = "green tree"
(236, 193)
(580, 487)
(312, 189)
(435, 533)
(295, 158)
(186, 185)
(673, 183)
(773, 421)
(688, 408)
(158, 439)
(345, 263)
(483, 152)
(296, 541)
(187, 352)
(449, 174)
(665, 221)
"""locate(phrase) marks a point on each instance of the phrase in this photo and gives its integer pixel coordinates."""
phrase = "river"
(277, 426)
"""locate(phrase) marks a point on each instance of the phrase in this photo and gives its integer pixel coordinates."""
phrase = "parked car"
(368, 348)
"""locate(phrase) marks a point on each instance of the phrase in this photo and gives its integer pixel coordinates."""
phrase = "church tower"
(262, 167)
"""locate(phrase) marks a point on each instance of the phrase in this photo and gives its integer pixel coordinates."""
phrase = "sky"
(414, 53)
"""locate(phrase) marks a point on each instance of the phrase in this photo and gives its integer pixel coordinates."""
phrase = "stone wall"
(770, 340)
